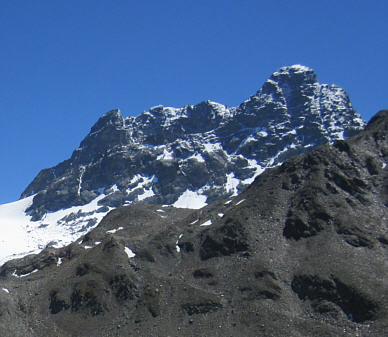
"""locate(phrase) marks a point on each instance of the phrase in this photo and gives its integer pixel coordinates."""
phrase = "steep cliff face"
(197, 154)
(301, 252)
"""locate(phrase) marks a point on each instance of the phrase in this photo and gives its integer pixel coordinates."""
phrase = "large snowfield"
(20, 236)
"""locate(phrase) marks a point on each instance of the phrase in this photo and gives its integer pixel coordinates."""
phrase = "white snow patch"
(247, 140)
(14, 238)
(273, 159)
(242, 200)
(259, 170)
(129, 252)
(135, 178)
(114, 188)
(198, 157)
(231, 184)
(220, 215)
(6, 290)
(190, 199)
(338, 135)
(384, 165)
(24, 275)
(166, 155)
(97, 243)
(178, 249)
(20, 236)
(82, 171)
(88, 247)
(160, 210)
(194, 222)
(112, 231)
(207, 223)
(147, 194)
(228, 202)
(144, 183)
(212, 147)
(297, 68)
(59, 262)
(291, 132)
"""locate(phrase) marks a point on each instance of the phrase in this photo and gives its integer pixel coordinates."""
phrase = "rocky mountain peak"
(107, 133)
(111, 118)
(295, 74)
(193, 155)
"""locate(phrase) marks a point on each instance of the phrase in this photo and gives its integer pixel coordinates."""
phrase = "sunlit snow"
(231, 184)
(20, 236)
(178, 249)
(145, 183)
(166, 155)
(258, 170)
(207, 223)
(242, 200)
(24, 275)
(148, 193)
(212, 147)
(190, 199)
(112, 231)
(198, 157)
(129, 252)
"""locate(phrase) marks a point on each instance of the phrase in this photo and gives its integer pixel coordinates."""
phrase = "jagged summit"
(185, 157)
(112, 117)
(207, 151)
(295, 73)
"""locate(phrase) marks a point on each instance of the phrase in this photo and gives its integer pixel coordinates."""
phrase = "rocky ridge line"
(193, 155)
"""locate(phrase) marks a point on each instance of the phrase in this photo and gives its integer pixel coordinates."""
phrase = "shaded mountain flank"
(301, 252)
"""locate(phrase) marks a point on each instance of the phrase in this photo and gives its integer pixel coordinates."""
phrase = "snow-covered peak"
(195, 154)
(296, 68)
(296, 74)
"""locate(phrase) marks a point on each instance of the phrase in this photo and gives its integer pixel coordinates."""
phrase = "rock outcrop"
(194, 155)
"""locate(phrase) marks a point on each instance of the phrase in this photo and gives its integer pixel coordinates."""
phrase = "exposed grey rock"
(207, 148)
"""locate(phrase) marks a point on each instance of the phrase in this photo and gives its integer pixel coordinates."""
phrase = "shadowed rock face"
(207, 148)
(302, 252)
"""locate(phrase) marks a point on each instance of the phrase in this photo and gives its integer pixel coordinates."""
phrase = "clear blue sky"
(64, 63)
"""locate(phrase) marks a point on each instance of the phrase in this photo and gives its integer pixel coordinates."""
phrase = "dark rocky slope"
(302, 252)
